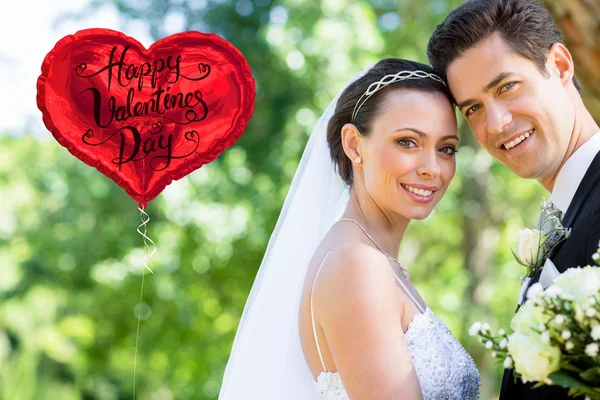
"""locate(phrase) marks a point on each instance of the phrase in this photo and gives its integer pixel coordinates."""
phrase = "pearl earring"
(357, 160)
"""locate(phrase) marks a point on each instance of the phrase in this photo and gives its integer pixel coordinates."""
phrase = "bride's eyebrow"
(418, 132)
(449, 137)
(423, 134)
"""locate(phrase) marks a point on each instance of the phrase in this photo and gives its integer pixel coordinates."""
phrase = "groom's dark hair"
(525, 25)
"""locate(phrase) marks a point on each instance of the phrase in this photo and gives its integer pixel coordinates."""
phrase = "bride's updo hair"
(373, 106)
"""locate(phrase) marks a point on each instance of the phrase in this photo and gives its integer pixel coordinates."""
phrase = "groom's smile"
(515, 140)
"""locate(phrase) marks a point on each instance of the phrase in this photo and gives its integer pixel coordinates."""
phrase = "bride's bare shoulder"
(353, 267)
(352, 255)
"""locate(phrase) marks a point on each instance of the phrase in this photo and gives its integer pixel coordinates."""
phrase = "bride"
(332, 314)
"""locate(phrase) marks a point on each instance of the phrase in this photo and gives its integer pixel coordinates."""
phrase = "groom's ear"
(351, 141)
(560, 62)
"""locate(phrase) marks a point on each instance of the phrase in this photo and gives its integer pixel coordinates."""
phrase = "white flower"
(536, 290)
(529, 320)
(488, 344)
(590, 312)
(559, 319)
(579, 283)
(503, 343)
(566, 334)
(553, 291)
(595, 256)
(494, 354)
(545, 337)
(508, 363)
(475, 328)
(569, 346)
(592, 349)
(530, 241)
(533, 359)
(501, 332)
(485, 327)
(586, 304)
(596, 332)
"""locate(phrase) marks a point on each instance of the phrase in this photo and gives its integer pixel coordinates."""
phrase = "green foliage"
(71, 260)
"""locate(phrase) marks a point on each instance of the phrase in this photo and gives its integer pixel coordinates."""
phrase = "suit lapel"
(591, 179)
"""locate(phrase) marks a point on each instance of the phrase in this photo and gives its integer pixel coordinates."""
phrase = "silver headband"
(389, 79)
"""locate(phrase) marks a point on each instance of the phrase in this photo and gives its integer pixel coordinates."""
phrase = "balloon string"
(145, 219)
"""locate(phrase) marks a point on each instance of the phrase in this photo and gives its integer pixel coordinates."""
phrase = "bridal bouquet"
(556, 333)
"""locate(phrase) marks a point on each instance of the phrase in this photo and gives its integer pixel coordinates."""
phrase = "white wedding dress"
(444, 368)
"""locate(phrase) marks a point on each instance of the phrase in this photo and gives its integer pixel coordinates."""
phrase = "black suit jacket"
(583, 217)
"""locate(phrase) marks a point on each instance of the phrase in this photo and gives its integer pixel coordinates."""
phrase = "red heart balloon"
(145, 117)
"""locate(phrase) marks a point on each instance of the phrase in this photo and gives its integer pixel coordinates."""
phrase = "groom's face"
(521, 116)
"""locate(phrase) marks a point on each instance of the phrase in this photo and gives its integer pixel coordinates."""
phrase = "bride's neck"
(385, 228)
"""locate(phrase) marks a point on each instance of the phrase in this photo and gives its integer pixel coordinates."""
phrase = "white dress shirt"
(572, 173)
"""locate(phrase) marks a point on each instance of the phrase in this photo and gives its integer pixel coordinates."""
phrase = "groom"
(513, 80)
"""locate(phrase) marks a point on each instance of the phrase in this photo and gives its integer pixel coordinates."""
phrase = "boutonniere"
(535, 245)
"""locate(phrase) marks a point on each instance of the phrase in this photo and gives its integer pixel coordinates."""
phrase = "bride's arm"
(357, 305)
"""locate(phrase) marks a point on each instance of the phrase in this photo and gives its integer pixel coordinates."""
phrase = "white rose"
(566, 334)
(529, 319)
(533, 359)
(592, 349)
(595, 256)
(559, 319)
(530, 241)
(553, 291)
(579, 283)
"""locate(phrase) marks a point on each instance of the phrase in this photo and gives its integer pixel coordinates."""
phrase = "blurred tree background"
(71, 261)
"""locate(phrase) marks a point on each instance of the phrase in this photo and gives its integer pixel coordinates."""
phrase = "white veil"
(266, 361)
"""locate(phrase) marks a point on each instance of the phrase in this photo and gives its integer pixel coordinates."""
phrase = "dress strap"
(409, 294)
(312, 315)
(402, 285)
